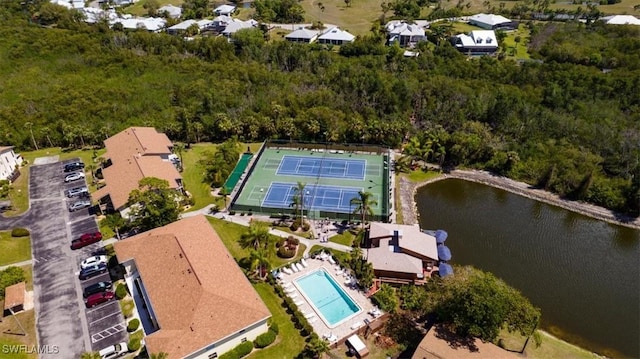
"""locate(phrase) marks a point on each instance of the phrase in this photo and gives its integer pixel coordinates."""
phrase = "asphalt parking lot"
(57, 290)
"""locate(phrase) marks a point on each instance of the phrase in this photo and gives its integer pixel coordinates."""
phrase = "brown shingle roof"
(198, 293)
(440, 343)
(136, 153)
(383, 258)
(14, 295)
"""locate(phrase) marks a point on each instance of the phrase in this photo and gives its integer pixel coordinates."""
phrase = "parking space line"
(102, 335)
(93, 310)
(105, 317)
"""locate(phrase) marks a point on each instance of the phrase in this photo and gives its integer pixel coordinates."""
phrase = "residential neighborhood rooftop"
(489, 19)
(198, 293)
(621, 20)
(14, 295)
(336, 34)
(478, 39)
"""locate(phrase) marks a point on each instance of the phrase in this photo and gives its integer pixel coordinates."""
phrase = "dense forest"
(569, 122)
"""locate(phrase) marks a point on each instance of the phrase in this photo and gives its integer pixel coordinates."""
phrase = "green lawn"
(520, 48)
(19, 194)
(289, 342)
(230, 233)
(10, 334)
(28, 275)
(193, 175)
(420, 175)
(346, 238)
(14, 249)
(396, 204)
(357, 19)
(138, 9)
(551, 347)
(106, 231)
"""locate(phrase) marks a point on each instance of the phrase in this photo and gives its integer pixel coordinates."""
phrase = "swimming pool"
(325, 295)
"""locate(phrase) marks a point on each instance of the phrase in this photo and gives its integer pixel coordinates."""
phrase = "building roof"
(302, 33)
(441, 343)
(148, 23)
(237, 25)
(336, 34)
(489, 19)
(621, 20)
(410, 238)
(187, 23)
(396, 28)
(479, 39)
(357, 344)
(173, 11)
(224, 9)
(196, 289)
(14, 295)
(388, 258)
(136, 153)
(5, 148)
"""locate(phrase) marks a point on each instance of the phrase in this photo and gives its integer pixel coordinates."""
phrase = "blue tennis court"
(316, 197)
(322, 167)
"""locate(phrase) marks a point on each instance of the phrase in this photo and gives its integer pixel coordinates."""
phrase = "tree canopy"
(153, 204)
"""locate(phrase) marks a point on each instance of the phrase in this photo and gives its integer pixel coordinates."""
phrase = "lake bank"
(410, 214)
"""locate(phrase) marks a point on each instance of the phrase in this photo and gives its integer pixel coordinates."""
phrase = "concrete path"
(245, 221)
(18, 264)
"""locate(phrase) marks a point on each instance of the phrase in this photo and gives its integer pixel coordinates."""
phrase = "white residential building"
(237, 25)
(477, 42)
(303, 35)
(620, 20)
(227, 10)
(335, 36)
(183, 26)
(492, 22)
(174, 11)
(9, 163)
(404, 33)
(152, 24)
(70, 4)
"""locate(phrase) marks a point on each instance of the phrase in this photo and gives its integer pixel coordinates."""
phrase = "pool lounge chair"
(286, 285)
(293, 268)
(312, 320)
(299, 302)
(331, 260)
(286, 270)
(339, 271)
(300, 267)
(292, 295)
(289, 290)
(304, 263)
(310, 315)
(357, 326)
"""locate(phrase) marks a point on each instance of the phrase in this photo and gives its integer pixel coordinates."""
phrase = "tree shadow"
(454, 340)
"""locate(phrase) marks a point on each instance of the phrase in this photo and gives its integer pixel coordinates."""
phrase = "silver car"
(79, 205)
(77, 192)
(74, 177)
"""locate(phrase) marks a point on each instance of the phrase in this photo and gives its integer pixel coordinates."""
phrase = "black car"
(97, 288)
(92, 271)
(73, 166)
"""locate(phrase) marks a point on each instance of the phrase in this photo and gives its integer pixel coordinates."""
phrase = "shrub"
(231, 354)
(133, 325)
(232, 213)
(274, 328)
(295, 225)
(280, 242)
(264, 340)
(134, 344)
(10, 276)
(293, 240)
(19, 232)
(127, 308)
(284, 252)
(306, 226)
(244, 349)
(121, 291)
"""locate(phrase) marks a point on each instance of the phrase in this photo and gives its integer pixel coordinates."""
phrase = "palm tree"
(259, 261)
(29, 125)
(316, 346)
(115, 222)
(364, 202)
(256, 236)
(92, 168)
(299, 192)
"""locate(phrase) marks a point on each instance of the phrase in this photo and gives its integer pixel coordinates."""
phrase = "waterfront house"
(477, 42)
(174, 12)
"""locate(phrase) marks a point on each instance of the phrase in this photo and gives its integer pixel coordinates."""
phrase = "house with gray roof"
(477, 42)
(335, 36)
(303, 35)
(236, 25)
(404, 33)
(174, 12)
(399, 253)
(492, 22)
(152, 24)
(227, 10)
(620, 20)
(180, 28)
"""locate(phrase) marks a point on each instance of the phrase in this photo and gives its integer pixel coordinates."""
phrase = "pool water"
(327, 297)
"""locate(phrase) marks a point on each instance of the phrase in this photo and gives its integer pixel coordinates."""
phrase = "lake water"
(582, 273)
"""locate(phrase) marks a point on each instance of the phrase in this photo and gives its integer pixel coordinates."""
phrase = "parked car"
(77, 192)
(92, 261)
(75, 206)
(73, 177)
(96, 288)
(114, 351)
(92, 271)
(99, 298)
(86, 239)
(73, 166)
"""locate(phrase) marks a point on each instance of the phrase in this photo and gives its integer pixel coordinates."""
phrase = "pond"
(582, 273)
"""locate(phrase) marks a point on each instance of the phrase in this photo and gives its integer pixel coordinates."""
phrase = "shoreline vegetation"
(409, 188)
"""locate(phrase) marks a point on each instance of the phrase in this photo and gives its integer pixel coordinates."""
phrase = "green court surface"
(332, 179)
(234, 177)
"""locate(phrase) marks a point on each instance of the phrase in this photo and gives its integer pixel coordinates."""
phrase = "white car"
(114, 351)
(93, 261)
(74, 177)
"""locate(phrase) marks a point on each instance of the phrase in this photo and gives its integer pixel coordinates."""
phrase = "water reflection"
(583, 273)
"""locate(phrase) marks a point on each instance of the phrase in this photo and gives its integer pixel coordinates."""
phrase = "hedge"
(19, 232)
(283, 252)
(264, 340)
(133, 325)
(121, 291)
(299, 321)
(293, 240)
(134, 344)
(274, 328)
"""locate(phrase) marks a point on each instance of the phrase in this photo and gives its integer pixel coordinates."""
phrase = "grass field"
(138, 9)
(346, 238)
(194, 173)
(14, 249)
(11, 334)
(551, 347)
(420, 175)
(356, 19)
(289, 342)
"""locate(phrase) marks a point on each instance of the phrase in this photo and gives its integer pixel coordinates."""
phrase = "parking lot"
(57, 289)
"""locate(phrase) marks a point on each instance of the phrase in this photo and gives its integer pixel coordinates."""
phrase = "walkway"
(18, 264)
(245, 221)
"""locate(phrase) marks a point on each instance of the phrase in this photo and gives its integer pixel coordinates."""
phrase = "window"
(213, 356)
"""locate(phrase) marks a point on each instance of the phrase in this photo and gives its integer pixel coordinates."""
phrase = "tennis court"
(331, 179)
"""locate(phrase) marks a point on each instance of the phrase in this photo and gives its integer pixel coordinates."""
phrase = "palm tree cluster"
(260, 242)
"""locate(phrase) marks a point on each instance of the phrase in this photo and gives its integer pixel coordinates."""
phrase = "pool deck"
(345, 328)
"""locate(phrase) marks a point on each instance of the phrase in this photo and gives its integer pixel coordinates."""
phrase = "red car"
(99, 298)
(86, 239)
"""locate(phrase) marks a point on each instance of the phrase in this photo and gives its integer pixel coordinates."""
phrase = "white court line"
(110, 315)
